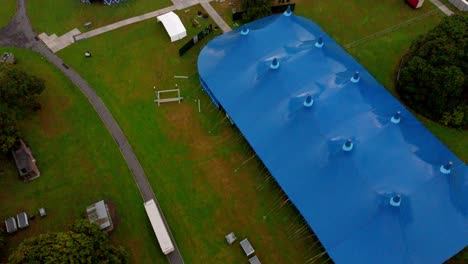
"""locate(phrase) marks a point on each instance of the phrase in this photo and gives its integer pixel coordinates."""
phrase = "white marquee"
(173, 25)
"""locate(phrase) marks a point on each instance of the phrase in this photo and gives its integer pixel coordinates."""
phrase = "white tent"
(173, 25)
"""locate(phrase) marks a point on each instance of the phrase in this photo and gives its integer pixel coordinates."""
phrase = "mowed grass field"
(59, 17)
(79, 163)
(192, 170)
(7, 11)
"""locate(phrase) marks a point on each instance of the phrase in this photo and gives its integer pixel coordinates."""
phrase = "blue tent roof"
(343, 195)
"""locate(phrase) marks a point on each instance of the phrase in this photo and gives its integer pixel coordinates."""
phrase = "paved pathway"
(178, 4)
(123, 23)
(442, 7)
(19, 33)
(56, 43)
(182, 4)
(216, 17)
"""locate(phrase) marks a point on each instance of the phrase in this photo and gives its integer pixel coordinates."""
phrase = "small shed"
(230, 238)
(8, 57)
(254, 260)
(10, 225)
(99, 213)
(247, 247)
(25, 162)
(22, 219)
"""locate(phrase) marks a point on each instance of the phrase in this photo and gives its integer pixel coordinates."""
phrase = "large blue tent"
(370, 180)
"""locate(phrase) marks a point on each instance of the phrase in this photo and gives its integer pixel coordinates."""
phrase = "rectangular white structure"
(22, 219)
(247, 247)
(173, 26)
(159, 228)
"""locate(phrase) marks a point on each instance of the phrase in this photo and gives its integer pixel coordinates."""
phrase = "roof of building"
(254, 260)
(25, 162)
(10, 225)
(22, 219)
(99, 213)
(298, 103)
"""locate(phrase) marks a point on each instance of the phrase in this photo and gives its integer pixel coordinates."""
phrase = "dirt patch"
(113, 214)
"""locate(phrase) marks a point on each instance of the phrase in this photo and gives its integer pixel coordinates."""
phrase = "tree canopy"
(433, 78)
(9, 131)
(18, 96)
(2, 240)
(84, 243)
(255, 9)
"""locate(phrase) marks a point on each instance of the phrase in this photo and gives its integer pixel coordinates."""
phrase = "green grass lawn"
(347, 21)
(59, 17)
(191, 158)
(190, 169)
(79, 163)
(225, 10)
(7, 11)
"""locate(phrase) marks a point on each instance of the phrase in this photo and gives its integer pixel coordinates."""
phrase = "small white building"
(99, 213)
(10, 225)
(173, 26)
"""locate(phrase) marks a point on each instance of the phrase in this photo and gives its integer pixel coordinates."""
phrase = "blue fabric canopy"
(389, 194)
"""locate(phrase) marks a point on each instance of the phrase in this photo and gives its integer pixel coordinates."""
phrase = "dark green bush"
(433, 78)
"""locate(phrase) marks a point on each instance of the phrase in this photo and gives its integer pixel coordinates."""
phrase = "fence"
(274, 9)
(207, 30)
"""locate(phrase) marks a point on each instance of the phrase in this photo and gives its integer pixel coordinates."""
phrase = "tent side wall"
(209, 93)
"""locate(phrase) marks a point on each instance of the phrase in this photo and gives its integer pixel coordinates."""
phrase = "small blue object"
(356, 77)
(245, 31)
(308, 101)
(288, 11)
(446, 169)
(319, 42)
(348, 145)
(274, 64)
(396, 118)
(395, 200)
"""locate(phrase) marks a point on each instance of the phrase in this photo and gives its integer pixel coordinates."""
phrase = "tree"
(84, 243)
(2, 240)
(18, 95)
(9, 132)
(19, 90)
(255, 9)
(433, 78)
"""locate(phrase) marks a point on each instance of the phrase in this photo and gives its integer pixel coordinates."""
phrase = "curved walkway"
(19, 33)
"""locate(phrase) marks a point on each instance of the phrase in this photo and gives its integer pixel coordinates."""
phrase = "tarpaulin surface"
(343, 195)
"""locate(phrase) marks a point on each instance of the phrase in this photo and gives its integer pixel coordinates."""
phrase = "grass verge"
(79, 163)
(7, 11)
(59, 17)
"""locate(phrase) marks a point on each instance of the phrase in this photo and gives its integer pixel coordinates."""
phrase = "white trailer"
(159, 228)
